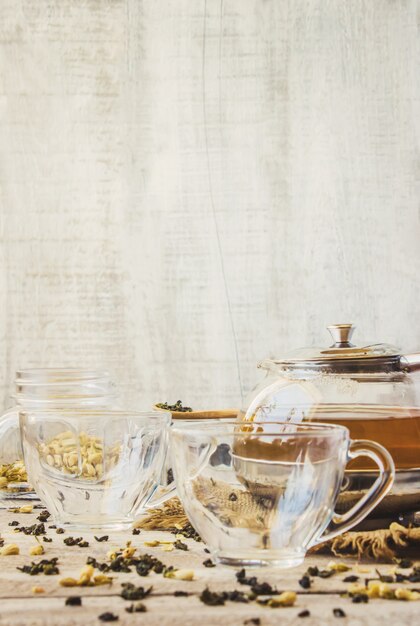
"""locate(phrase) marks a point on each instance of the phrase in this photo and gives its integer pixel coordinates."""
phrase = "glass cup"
(264, 494)
(96, 469)
(45, 388)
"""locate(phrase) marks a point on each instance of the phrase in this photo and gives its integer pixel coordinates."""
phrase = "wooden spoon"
(196, 415)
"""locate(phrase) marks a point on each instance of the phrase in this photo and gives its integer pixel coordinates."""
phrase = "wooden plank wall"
(187, 186)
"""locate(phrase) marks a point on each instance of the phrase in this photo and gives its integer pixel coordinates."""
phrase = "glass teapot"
(342, 374)
(373, 390)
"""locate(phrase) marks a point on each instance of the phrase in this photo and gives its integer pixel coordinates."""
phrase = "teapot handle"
(410, 362)
(266, 364)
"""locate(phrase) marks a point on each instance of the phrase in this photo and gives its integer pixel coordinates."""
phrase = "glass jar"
(50, 388)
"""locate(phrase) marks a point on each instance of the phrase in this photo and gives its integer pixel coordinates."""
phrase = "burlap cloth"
(253, 510)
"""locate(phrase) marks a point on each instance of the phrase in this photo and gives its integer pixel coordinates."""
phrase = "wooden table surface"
(20, 605)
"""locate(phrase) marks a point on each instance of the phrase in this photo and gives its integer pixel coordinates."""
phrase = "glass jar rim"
(58, 375)
(78, 412)
(64, 403)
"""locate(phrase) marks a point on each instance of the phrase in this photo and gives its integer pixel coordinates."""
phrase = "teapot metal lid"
(342, 355)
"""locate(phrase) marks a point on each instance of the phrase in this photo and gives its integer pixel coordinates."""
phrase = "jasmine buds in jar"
(82, 456)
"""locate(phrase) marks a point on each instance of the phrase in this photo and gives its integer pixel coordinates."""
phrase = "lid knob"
(341, 335)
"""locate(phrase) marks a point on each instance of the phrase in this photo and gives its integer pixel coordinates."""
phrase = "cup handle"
(9, 421)
(379, 489)
(161, 495)
(163, 491)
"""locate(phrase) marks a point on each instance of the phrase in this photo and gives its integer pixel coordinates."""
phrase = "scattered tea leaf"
(403, 563)
(237, 596)
(187, 531)
(350, 579)
(177, 407)
(263, 589)
(384, 578)
(305, 582)
(108, 617)
(414, 576)
(78, 541)
(45, 566)
(242, 578)
(212, 598)
(73, 601)
(257, 588)
(314, 571)
(359, 598)
(338, 613)
(131, 592)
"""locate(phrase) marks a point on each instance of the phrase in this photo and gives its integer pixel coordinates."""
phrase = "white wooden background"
(188, 186)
